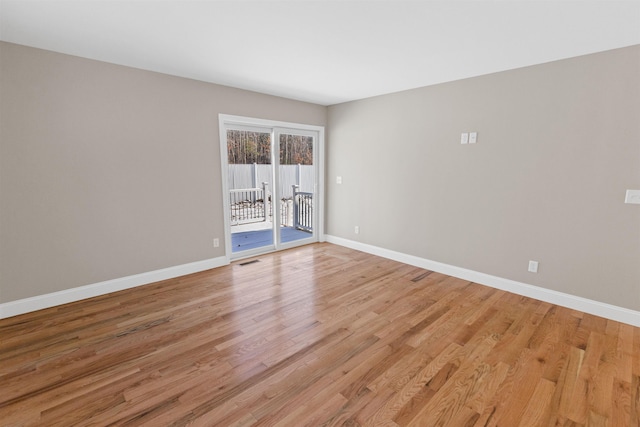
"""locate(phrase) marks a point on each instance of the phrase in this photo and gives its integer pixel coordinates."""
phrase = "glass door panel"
(249, 155)
(297, 182)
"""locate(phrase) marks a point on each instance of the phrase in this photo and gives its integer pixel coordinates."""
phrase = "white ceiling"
(325, 52)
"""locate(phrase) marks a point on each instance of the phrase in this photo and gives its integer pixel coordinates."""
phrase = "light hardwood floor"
(318, 335)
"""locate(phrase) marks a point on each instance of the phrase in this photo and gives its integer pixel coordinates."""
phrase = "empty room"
(319, 213)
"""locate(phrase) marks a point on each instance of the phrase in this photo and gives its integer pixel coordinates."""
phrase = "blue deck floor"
(256, 239)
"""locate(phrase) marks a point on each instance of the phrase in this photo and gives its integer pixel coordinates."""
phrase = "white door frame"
(274, 127)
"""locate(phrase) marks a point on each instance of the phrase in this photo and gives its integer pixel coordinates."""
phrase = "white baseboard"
(620, 314)
(26, 305)
(608, 311)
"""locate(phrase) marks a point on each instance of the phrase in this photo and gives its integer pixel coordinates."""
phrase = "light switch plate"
(338, 180)
(464, 138)
(632, 197)
(473, 137)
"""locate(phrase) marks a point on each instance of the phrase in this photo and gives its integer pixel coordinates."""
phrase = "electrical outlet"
(216, 242)
(356, 230)
(533, 266)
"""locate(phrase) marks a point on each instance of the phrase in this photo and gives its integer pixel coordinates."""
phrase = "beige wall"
(558, 145)
(108, 171)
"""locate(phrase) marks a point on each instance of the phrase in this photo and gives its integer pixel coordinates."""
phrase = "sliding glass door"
(271, 183)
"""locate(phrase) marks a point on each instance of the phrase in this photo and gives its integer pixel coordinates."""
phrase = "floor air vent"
(249, 262)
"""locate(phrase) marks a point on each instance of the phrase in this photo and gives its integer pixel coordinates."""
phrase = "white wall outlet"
(356, 229)
(464, 138)
(216, 242)
(338, 180)
(533, 266)
(632, 197)
(473, 137)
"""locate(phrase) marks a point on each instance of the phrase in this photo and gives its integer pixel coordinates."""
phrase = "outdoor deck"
(245, 240)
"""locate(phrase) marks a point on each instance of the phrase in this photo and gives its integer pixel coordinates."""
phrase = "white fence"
(252, 176)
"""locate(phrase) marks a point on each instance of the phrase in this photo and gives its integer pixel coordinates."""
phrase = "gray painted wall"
(558, 145)
(108, 171)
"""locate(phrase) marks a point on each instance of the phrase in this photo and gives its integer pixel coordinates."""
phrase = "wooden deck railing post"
(265, 200)
(296, 208)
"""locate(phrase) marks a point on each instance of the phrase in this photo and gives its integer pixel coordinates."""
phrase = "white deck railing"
(250, 205)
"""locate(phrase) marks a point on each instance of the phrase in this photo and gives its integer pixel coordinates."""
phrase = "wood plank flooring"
(317, 336)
